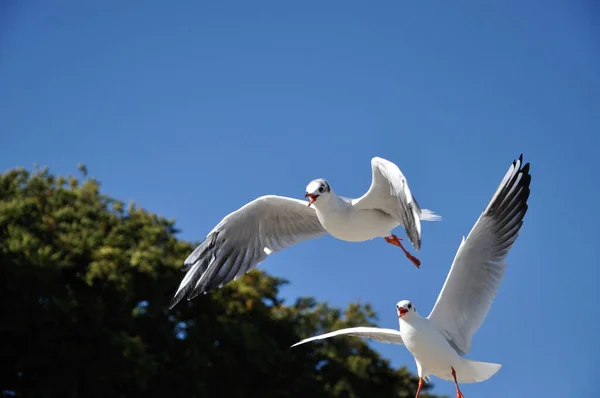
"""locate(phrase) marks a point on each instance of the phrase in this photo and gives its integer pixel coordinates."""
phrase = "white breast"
(356, 225)
(428, 346)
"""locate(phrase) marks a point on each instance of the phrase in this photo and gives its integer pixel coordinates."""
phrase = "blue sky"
(193, 109)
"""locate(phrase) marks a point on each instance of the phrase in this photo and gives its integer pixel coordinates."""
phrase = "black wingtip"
(189, 294)
(522, 168)
(518, 176)
(518, 162)
(524, 172)
(174, 301)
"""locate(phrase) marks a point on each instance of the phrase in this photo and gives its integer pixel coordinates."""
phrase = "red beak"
(402, 312)
(311, 197)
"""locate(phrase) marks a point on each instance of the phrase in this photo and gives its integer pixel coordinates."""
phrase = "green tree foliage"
(85, 282)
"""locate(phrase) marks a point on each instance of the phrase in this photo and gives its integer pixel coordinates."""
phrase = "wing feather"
(389, 336)
(479, 264)
(389, 192)
(243, 239)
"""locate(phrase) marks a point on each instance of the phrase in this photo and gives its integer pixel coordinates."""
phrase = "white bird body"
(435, 356)
(428, 346)
(439, 341)
(270, 223)
(345, 222)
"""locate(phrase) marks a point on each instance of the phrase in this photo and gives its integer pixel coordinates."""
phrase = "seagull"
(439, 341)
(245, 237)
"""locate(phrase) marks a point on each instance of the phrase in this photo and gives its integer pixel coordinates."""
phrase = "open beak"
(311, 197)
(402, 312)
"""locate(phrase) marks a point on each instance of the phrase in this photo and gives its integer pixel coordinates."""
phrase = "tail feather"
(469, 371)
(428, 215)
(475, 371)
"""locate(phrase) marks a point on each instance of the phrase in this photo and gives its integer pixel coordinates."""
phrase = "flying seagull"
(270, 223)
(439, 341)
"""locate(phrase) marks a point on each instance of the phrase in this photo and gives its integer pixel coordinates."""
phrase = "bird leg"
(419, 388)
(394, 240)
(459, 394)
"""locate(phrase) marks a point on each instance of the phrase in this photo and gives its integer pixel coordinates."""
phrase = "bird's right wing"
(479, 264)
(245, 238)
(389, 193)
(389, 336)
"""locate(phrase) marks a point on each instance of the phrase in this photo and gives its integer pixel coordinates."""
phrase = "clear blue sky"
(194, 108)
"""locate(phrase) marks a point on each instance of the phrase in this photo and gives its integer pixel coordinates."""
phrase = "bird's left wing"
(479, 264)
(389, 336)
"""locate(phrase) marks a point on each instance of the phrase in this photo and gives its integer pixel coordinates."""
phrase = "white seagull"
(439, 341)
(270, 223)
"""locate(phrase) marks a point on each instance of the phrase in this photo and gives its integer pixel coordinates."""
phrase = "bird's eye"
(321, 188)
(409, 306)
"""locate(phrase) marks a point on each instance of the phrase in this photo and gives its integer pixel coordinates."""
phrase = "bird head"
(318, 189)
(406, 309)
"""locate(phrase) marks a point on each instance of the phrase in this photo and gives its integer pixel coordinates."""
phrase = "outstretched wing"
(389, 193)
(479, 265)
(389, 336)
(245, 238)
